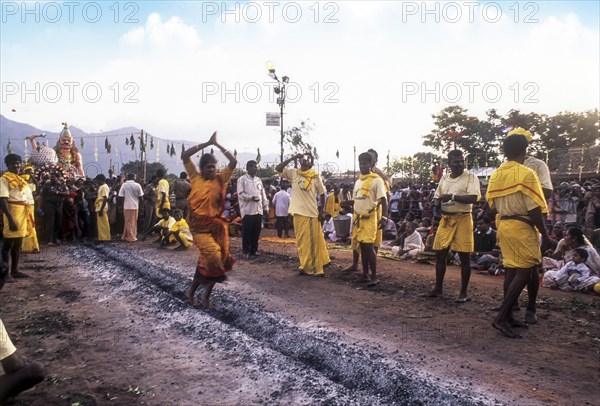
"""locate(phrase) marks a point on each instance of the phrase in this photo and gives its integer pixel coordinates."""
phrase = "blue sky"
(370, 73)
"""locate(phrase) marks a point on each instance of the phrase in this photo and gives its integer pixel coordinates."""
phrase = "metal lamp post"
(280, 92)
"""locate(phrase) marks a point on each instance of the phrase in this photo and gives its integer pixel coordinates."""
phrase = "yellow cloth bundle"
(308, 176)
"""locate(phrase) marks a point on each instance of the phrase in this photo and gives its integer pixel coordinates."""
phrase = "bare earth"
(111, 324)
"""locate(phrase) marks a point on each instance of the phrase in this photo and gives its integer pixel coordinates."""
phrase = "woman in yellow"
(306, 186)
(102, 209)
(209, 230)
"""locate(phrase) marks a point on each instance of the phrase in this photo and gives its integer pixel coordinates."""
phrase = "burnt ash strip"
(365, 374)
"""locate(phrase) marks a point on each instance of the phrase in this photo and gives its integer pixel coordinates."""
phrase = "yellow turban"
(521, 131)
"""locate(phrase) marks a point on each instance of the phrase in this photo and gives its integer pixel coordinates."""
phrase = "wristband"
(453, 195)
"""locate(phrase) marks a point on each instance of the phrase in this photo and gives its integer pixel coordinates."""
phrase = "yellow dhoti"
(103, 224)
(30, 241)
(18, 210)
(519, 243)
(455, 231)
(364, 228)
(312, 250)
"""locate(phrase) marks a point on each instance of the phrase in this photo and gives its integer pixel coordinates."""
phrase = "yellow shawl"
(367, 180)
(308, 176)
(15, 180)
(512, 177)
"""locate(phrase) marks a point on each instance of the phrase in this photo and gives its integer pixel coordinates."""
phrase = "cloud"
(160, 35)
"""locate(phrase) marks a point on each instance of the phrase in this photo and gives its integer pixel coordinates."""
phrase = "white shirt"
(328, 226)
(249, 187)
(281, 200)
(131, 191)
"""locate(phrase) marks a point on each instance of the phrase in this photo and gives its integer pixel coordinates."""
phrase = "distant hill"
(94, 144)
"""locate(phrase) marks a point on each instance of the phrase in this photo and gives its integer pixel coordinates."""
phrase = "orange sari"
(209, 230)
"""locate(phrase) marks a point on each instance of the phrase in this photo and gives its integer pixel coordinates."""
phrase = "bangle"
(453, 196)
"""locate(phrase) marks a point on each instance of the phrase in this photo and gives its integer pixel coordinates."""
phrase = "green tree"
(137, 167)
(296, 140)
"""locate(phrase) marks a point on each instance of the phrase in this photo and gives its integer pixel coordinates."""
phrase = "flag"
(9, 148)
(81, 143)
(257, 155)
(337, 153)
(151, 142)
(132, 142)
(235, 153)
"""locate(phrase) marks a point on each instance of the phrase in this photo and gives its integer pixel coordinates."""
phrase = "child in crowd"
(328, 227)
(180, 230)
(573, 273)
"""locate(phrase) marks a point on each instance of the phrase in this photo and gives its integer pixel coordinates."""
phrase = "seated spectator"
(573, 275)
(328, 227)
(389, 230)
(424, 227)
(486, 255)
(563, 254)
(180, 230)
(428, 253)
(413, 243)
(557, 232)
(18, 374)
(162, 228)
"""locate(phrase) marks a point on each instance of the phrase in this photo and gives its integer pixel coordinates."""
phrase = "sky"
(365, 74)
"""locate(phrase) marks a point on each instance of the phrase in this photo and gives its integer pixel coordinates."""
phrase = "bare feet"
(362, 279)
(191, 299)
(18, 274)
(517, 323)
(206, 301)
(372, 282)
(530, 317)
(433, 293)
(462, 298)
(351, 268)
(505, 329)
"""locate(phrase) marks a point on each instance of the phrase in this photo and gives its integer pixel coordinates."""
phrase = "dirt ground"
(112, 327)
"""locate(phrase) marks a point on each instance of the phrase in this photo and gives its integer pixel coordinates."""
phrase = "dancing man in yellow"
(515, 192)
(456, 194)
(209, 230)
(306, 186)
(102, 209)
(13, 204)
(369, 194)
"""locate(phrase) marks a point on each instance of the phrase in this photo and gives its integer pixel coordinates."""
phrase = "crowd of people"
(517, 225)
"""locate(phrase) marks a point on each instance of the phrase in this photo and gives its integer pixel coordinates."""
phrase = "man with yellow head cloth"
(306, 186)
(543, 173)
(515, 192)
(13, 204)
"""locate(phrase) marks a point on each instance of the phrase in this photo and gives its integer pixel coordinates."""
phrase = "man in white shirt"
(253, 203)
(132, 193)
(281, 201)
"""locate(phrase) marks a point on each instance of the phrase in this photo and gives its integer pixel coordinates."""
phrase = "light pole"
(280, 92)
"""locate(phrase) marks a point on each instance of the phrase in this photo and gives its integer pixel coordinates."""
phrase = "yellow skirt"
(455, 231)
(19, 214)
(519, 243)
(103, 226)
(30, 242)
(364, 229)
(312, 250)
